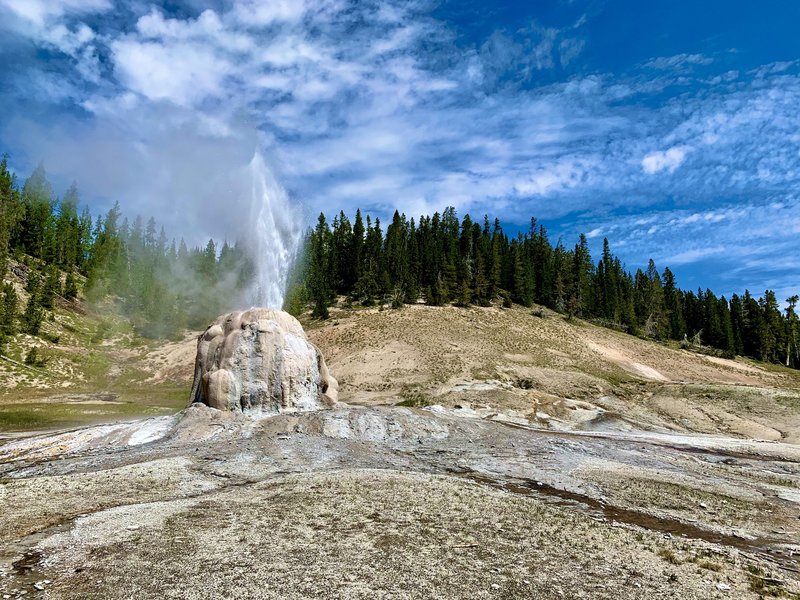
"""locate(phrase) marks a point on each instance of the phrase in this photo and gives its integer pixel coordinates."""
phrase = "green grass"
(51, 415)
(615, 376)
(109, 368)
(414, 398)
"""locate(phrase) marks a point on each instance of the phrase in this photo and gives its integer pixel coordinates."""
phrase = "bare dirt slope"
(552, 372)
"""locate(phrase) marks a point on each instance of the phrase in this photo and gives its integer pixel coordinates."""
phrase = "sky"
(672, 128)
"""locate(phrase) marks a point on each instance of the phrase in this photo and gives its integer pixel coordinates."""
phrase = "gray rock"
(259, 361)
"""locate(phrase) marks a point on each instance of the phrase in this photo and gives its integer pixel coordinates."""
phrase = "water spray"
(277, 230)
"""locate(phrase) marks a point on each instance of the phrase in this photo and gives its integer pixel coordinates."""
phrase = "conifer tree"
(34, 312)
(319, 272)
(36, 231)
(8, 314)
(11, 213)
(792, 332)
(673, 306)
(51, 287)
(70, 286)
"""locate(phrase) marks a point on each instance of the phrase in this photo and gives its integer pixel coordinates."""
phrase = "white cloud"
(695, 255)
(252, 13)
(668, 160)
(39, 12)
(183, 73)
(569, 50)
(678, 61)
(596, 232)
(554, 178)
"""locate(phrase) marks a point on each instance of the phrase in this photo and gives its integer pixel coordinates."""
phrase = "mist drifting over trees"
(131, 267)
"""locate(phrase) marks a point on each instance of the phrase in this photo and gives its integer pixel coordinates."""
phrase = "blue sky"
(672, 128)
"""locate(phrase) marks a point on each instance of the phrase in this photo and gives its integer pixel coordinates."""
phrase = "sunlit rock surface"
(259, 361)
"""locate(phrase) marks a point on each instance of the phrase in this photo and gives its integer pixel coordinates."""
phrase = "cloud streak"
(384, 105)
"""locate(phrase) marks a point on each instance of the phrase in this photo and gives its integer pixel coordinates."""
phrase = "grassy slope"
(96, 371)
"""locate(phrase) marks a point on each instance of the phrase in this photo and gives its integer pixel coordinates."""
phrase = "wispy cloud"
(692, 256)
(384, 104)
(40, 12)
(668, 160)
(678, 61)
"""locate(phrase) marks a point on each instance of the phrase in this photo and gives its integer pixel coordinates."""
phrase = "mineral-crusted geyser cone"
(259, 361)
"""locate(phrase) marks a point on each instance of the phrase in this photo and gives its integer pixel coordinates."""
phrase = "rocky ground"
(534, 458)
(394, 503)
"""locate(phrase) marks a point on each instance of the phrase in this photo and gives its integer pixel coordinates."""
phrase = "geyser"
(259, 361)
(276, 231)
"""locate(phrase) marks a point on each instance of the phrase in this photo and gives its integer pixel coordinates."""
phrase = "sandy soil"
(173, 361)
(553, 372)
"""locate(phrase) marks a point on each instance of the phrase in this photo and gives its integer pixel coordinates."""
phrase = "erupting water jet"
(275, 236)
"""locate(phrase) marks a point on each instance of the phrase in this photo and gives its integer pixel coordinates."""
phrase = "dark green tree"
(34, 311)
(319, 269)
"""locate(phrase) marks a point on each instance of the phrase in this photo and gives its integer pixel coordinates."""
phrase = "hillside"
(552, 372)
(92, 367)
(535, 366)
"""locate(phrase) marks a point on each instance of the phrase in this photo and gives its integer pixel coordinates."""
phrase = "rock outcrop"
(259, 361)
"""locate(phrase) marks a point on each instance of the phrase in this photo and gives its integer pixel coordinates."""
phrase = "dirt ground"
(481, 453)
(552, 372)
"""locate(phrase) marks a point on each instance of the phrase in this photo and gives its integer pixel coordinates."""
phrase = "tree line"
(165, 287)
(162, 286)
(440, 259)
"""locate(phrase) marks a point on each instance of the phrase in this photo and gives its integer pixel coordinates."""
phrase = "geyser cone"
(259, 361)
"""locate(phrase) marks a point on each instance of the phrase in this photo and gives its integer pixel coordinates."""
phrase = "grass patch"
(710, 566)
(668, 555)
(616, 378)
(414, 398)
(765, 585)
(50, 415)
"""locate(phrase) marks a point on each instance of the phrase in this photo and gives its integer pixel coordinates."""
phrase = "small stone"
(703, 505)
(133, 527)
(526, 581)
(723, 587)
(495, 586)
